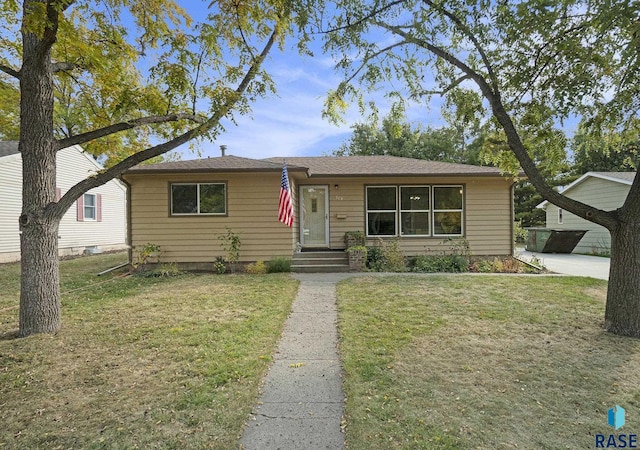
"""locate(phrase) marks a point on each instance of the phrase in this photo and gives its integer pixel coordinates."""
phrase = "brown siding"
(487, 213)
(252, 212)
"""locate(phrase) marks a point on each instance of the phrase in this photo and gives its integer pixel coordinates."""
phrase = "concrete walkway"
(301, 405)
(571, 264)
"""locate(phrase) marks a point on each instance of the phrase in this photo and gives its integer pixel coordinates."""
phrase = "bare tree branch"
(10, 71)
(122, 126)
(64, 66)
(58, 209)
(244, 39)
(374, 55)
(472, 37)
(446, 90)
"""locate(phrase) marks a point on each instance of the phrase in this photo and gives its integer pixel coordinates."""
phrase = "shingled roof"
(227, 163)
(342, 166)
(8, 148)
(322, 166)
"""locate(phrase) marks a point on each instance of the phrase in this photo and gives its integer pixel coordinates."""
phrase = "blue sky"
(290, 123)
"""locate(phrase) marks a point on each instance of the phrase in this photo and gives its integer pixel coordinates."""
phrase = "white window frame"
(198, 213)
(560, 216)
(434, 210)
(428, 211)
(93, 207)
(394, 211)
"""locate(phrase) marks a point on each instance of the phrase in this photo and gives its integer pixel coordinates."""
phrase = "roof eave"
(403, 175)
(209, 170)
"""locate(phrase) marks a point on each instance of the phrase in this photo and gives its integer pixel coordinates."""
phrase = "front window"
(198, 198)
(447, 210)
(382, 210)
(416, 210)
(90, 205)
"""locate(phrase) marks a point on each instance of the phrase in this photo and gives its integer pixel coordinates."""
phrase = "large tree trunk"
(622, 314)
(39, 290)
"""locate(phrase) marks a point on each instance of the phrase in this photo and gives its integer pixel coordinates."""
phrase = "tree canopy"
(397, 137)
(613, 152)
(127, 79)
(148, 64)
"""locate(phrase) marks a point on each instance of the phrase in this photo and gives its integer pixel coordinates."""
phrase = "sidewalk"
(301, 405)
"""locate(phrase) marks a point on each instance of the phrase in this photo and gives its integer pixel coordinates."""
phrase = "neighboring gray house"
(603, 190)
(98, 219)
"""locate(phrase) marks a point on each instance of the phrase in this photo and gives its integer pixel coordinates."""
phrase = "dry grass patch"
(140, 362)
(494, 362)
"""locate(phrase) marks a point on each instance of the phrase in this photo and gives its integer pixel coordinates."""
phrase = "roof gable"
(615, 177)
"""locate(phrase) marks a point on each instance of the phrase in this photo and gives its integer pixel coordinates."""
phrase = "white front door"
(314, 213)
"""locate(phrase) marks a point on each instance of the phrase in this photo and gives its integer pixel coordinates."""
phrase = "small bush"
(501, 265)
(146, 253)
(354, 238)
(481, 266)
(387, 257)
(231, 243)
(439, 263)
(498, 267)
(375, 257)
(520, 235)
(279, 264)
(219, 266)
(511, 265)
(257, 268)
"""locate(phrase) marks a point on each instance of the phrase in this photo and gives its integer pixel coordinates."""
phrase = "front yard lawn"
(140, 362)
(498, 362)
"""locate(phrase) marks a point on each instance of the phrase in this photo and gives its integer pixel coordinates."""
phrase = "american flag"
(285, 207)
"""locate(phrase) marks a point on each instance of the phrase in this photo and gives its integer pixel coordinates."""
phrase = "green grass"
(471, 362)
(139, 362)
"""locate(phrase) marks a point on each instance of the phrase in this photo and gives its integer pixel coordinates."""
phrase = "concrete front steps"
(320, 261)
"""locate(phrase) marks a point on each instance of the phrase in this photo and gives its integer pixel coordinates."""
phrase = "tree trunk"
(40, 292)
(622, 314)
(39, 289)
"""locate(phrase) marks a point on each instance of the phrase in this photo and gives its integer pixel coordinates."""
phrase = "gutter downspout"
(129, 231)
(512, 189)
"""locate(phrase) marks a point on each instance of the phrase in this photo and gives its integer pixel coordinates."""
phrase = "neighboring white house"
(603, 190)
(96, 223)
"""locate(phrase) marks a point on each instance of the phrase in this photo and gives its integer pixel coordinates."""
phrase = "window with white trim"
(90, 205)
(382, 210)
(447, 210)
(198, 199)
(415, 210)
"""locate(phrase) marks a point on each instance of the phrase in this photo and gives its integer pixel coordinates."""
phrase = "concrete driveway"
(571, 264)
